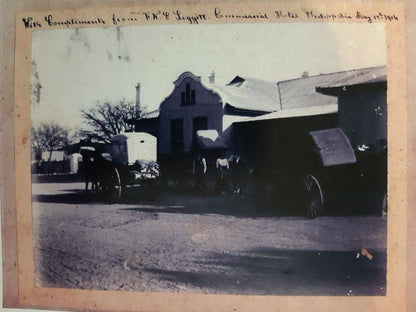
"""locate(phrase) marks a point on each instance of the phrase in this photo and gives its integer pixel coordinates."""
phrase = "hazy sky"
(76, 68)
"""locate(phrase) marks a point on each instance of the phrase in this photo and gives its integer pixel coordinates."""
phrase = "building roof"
(358, 76)
(152, 114)
(303, 92)
(266, 96)
(365, 76)
(185, 75)
(250, 94)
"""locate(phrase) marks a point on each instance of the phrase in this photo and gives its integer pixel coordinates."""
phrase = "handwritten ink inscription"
(326, 16)
(192, 19)
(282, 14)
(157, 15)
(177, 15)
(29, 23)
(199, 17)
(220, 15)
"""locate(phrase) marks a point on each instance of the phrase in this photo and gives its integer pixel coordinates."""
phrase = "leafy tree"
(107, 119)
(48, 137)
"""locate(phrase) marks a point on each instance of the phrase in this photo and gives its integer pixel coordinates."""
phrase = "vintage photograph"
(216, 159)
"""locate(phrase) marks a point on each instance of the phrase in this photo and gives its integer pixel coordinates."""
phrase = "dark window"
(193, 97)
(199, 123)
(183, 99)
(188, 96)
(176, 135)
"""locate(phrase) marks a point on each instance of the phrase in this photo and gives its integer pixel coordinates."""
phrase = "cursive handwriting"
(359, 16)
(192, 19)
(156, 15)
(219, 15)
(282, 14)
(72, 21)
(29, 23)
(117, 19)
(326, 16)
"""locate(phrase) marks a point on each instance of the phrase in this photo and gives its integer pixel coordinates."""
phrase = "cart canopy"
(334, 147)
(128, 148)
(210, 139)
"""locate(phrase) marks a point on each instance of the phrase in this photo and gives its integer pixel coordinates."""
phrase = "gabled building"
(190, 107)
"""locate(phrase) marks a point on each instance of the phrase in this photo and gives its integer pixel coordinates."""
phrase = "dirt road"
(184, 243)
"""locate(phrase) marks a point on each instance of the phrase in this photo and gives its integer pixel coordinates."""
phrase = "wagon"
(308, 162)
(132, 162)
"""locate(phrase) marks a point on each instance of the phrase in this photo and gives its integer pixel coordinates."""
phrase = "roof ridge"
(248, 79)
(333, 73)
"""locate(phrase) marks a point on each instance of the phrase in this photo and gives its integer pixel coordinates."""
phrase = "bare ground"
(186, 243)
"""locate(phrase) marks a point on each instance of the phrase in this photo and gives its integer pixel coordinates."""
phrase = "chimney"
(305, 74)
(138, 101)
(212, 77)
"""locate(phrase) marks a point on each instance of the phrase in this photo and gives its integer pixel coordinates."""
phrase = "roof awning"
(334, 147)
(296, 112)
(210, 139)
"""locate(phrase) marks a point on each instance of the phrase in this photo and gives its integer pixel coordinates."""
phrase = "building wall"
(207, 104)
(363, 116)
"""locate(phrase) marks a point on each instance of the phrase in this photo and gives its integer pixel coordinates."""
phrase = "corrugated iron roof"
(301, 93)
(358, 76)
(250, 94)
(266, 96)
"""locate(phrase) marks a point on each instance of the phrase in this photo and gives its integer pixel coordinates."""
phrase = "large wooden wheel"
(313, 197)
(113, 186)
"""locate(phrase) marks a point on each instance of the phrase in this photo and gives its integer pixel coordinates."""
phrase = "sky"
(78, 67)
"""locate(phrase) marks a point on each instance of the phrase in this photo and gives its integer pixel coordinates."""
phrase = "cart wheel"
(313, 195)
(114, 186)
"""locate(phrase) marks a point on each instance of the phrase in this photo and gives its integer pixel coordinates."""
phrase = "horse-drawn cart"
(132, 162)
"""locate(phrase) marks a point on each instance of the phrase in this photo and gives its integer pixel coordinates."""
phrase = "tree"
(48, 137)
(107, 119)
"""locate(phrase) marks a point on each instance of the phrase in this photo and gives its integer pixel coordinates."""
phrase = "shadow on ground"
(75, 197)
(230, 206)
(169, 200)
(286, 272)
(57, 178)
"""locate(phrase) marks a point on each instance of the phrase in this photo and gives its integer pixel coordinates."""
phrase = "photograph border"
(28, 295)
